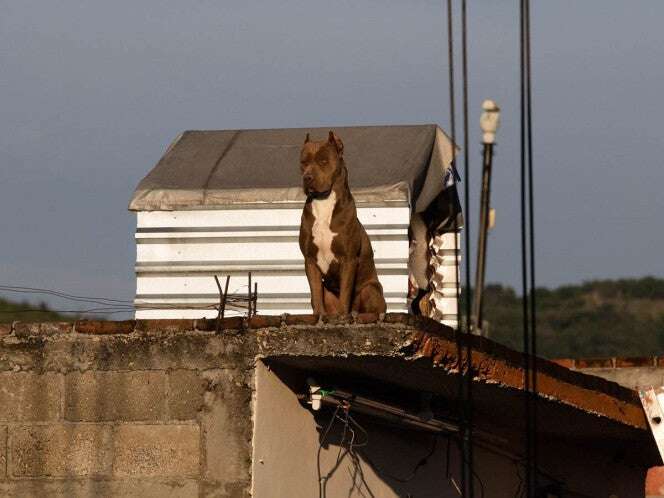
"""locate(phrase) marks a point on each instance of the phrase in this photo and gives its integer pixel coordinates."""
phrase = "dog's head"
(320, 163)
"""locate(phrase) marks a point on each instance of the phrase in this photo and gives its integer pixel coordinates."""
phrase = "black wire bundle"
(467, 441)
(528, 253)
(346, 448)
(464, 355)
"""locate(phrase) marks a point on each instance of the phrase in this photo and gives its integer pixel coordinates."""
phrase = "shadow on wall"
(330, 454)
(359, 458)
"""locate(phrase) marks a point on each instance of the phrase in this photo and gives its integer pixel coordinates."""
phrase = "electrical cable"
(452, 99)
(461, 391)
(63, 295)
(467, 449)
(321, 486)
(528, 251)
(450, 74)
(524, 254)
(110, 305)
(475, 475)
(531, 203)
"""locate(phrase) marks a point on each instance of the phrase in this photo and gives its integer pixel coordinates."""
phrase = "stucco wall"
(287, 438)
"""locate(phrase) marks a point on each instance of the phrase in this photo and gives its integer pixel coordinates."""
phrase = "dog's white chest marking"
(322, 210)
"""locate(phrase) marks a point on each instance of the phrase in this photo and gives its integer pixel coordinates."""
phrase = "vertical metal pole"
(485, 206)
(489, 123)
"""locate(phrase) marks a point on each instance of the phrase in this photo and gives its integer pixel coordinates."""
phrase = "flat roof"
(208, 169)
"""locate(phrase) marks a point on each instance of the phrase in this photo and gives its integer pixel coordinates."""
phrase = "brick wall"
(126, 409)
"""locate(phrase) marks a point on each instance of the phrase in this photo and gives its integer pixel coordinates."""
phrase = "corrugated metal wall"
(179, 252)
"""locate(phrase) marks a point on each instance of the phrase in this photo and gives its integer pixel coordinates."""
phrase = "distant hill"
(11, 311)
(595, 319)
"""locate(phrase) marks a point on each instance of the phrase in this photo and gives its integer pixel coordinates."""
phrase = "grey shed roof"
(208, 169)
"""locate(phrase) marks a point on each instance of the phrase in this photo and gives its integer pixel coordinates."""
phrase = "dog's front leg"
(347, 283)
(315, 279)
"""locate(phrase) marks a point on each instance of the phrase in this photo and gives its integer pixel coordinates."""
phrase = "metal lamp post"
(489, 123)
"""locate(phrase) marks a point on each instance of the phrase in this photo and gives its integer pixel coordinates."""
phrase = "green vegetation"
(11, 311)
(595, 319)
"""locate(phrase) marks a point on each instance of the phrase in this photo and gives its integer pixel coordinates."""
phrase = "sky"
(91, 94)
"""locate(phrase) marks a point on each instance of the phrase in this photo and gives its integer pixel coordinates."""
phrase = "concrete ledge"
(412, 338)
(168, 326)
(129, 352)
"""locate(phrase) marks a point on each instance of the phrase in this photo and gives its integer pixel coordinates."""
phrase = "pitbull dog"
(338, 257)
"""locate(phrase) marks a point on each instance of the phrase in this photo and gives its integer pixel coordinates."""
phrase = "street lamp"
(489, 123)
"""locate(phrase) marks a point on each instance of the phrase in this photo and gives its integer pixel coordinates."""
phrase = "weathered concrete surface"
(123, 352)
(30, 397)
(186, 389)
(170, 488)
(103, 396)
(3, 452)
(156, 450)
(148, 413)
(165, 408)
(60, 450)
(226, 422)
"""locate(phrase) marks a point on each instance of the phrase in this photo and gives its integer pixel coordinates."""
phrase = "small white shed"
(229, 202)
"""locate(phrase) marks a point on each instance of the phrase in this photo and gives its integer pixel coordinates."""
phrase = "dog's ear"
(336, 141)
(306, 139)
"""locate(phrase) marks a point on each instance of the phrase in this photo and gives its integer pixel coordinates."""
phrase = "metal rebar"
(255, 297)
(250, 300)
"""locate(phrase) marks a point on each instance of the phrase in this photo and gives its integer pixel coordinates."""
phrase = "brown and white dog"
(338, 257)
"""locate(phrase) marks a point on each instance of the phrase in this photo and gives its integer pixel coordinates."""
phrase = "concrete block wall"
(122, 409)
(163, 408)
